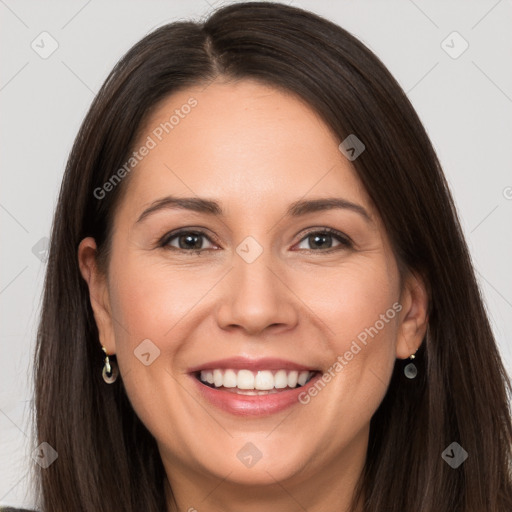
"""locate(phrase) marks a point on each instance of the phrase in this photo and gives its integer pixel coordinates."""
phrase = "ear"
(414, 316)
(98, 293)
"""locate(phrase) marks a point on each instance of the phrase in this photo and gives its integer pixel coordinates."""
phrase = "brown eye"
(186, 241)
(322, 241)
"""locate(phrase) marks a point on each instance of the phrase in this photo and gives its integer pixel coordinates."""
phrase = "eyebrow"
(211, 207)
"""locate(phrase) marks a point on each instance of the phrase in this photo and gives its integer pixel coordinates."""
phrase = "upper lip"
(241, 363)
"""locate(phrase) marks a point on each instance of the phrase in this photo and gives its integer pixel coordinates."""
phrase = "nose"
(257, 298)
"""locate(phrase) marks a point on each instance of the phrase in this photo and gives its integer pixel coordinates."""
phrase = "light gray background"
(465, 104)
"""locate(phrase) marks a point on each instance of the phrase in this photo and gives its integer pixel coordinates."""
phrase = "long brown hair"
(107, 459)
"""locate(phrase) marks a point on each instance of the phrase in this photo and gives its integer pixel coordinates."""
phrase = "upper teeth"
(261, 379)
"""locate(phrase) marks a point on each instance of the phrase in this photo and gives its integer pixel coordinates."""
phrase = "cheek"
(148, 301)
(353, 298)
(150, 298)
(360, 313)
(154, 307)
(145, 307)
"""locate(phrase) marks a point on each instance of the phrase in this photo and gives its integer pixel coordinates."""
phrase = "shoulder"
(11, 509)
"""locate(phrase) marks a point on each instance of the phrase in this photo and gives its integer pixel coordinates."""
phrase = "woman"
(199, 347)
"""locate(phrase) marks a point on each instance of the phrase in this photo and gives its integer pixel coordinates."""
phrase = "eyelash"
(345, 242)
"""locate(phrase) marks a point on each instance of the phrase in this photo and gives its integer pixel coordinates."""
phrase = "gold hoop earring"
(110, 370)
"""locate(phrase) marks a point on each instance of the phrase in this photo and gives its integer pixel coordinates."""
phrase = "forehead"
(246, 144)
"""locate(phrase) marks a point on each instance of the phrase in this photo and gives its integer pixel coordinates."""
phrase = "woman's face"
(269, 298)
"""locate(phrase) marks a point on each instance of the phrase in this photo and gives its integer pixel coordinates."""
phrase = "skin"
(255, 150)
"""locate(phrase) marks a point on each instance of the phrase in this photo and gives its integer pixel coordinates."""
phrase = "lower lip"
(253, 405)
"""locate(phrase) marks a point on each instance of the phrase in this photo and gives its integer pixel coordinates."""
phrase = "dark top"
(10, 509)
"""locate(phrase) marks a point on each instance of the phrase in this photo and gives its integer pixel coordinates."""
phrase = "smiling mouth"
(258, 382)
